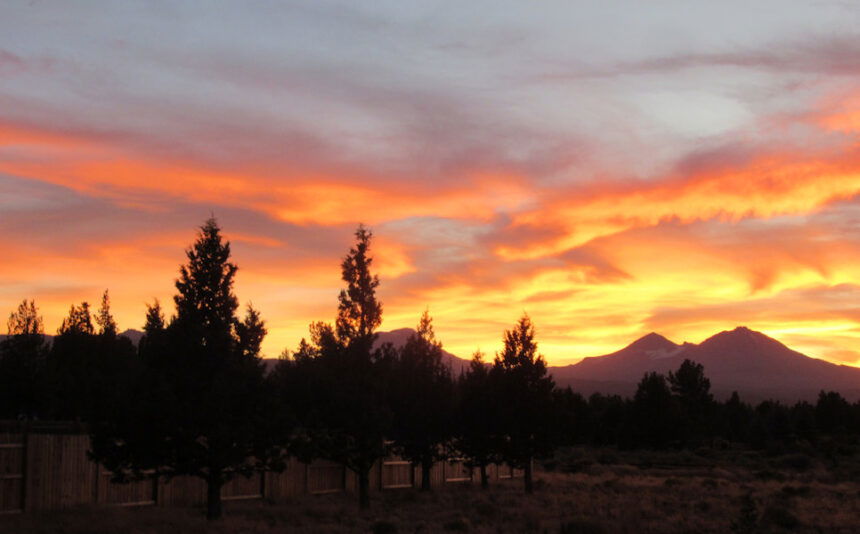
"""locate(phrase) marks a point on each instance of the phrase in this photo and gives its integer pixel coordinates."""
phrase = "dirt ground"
(582, 491)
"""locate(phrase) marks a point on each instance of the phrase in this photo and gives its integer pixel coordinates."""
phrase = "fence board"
(138, 493)
(59, 474)
(182, 491)
(325, 477)
(12, 454)
(243, 488)
(397, 473)
(289, 483)
(456, 471)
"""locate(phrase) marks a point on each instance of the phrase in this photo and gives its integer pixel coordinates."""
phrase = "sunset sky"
(608, 168)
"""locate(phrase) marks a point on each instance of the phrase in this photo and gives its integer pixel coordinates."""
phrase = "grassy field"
(582, 491)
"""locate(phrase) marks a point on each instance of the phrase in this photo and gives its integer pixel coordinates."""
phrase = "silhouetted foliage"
(153, 344)
(199, 404)
(737, 417)
(693, 393)
(104, 318)
(654, 413)
(422, 401)
(87, 371)
(338, 383)
(572, 417)
(22, 364)
(525, 397)
(833, 414)
(479, 428)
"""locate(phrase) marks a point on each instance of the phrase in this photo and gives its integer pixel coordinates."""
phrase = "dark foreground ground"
(585, 491)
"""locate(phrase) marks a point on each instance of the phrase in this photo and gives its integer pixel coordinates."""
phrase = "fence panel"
(325, 477)
(58, 474)
(290, 482)
(397, 473)
(244, 488)
(456, 471)
(12, 458)
(504, 471)
(138, 493)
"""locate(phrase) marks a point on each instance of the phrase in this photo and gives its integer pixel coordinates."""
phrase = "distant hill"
(132, 334)
(743, 360)
(398, 338)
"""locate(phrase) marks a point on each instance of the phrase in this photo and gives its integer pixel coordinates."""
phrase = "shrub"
(767, 474)
(607, 458)
(710, 483)
(384, 527)
(796, 491)
(577, 466)
(460, 524)
(747, 516)
(780, 516)
(798, 462)
(581, 526)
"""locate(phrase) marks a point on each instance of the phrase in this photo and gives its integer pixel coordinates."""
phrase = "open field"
(586, 491)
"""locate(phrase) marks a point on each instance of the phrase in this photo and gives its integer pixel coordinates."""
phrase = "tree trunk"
(527, 478)
(213, 495)
(426, 466)
(364, 488)
(485, 481)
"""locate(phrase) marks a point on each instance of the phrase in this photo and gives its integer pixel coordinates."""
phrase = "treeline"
(678, 411)
(86, 366)
(193, 397)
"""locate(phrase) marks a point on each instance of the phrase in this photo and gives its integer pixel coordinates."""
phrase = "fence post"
(307, 478)
(24, 478)
(98, 475)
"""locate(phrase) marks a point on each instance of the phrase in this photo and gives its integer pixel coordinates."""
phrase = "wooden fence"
(48, 469)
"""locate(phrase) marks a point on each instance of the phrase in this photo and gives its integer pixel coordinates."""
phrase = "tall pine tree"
(478, 431)
(338, 383)
(198, 404)
(423, 401)
(526, 395)
(71, 367)
(22, 364)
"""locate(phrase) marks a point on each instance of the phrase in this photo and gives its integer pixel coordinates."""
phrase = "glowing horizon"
(646, 172)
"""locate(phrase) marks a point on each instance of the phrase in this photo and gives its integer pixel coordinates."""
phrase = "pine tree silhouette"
(423, 397)
(525, 393)
(198, 405)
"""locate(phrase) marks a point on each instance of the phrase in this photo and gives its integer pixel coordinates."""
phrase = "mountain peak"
(740, 335)
(652, 341)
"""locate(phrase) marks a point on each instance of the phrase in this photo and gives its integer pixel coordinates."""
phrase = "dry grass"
(606, 492)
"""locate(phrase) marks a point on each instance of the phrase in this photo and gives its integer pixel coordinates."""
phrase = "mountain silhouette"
(399, 336)
(757, 366)
(650, 353)
(130, 333)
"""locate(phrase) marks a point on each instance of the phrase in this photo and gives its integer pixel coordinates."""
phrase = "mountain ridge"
(743, 360)
(755, 365)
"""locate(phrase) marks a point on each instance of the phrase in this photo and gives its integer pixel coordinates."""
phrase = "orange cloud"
(766, 186)
(96, 166)
(840, 113)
